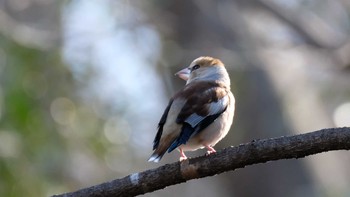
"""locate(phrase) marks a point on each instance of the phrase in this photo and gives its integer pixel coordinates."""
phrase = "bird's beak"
(183, 74)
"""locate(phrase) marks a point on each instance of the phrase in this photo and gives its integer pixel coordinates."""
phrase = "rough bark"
(257, 151)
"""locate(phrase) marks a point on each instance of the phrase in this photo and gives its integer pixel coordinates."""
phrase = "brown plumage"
(200, 114)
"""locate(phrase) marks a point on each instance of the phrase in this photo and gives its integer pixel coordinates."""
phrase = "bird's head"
(203, 68)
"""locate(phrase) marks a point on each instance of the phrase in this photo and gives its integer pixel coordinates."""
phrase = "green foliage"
(30, 80)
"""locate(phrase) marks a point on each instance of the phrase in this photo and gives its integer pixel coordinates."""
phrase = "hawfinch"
(200, 114)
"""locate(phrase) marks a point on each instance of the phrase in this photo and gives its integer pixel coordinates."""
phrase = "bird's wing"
(205, 102)
(161, 125)
(168, 129)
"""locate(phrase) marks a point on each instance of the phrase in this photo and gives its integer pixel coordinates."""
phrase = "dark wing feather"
(188, 131)
(161, 124)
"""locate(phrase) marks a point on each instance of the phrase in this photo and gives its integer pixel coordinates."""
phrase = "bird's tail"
(156, 157)
(161, 149)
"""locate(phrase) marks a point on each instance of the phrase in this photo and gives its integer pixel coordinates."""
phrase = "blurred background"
(83, 85)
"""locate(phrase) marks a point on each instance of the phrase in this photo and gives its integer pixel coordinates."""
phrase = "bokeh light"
(341, 115)
(10, 144)
(117, 130)
(63, 111)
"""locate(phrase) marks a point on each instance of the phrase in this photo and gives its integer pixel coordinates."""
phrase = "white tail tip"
(154, 158)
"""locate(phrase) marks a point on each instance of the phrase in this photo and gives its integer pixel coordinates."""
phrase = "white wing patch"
(194, 119)
(214, 108)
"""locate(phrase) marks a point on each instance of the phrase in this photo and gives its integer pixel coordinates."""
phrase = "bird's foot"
(183, 156)
(210, 150)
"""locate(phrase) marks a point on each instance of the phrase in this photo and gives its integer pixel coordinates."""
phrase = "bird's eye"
(195, 67)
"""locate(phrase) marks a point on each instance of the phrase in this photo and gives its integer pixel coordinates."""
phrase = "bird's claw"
(211, 150)
(183, 158)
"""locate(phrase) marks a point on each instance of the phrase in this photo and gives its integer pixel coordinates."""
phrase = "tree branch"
(257, 151)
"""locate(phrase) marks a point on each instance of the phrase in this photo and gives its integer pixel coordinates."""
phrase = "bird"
(200, 114)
